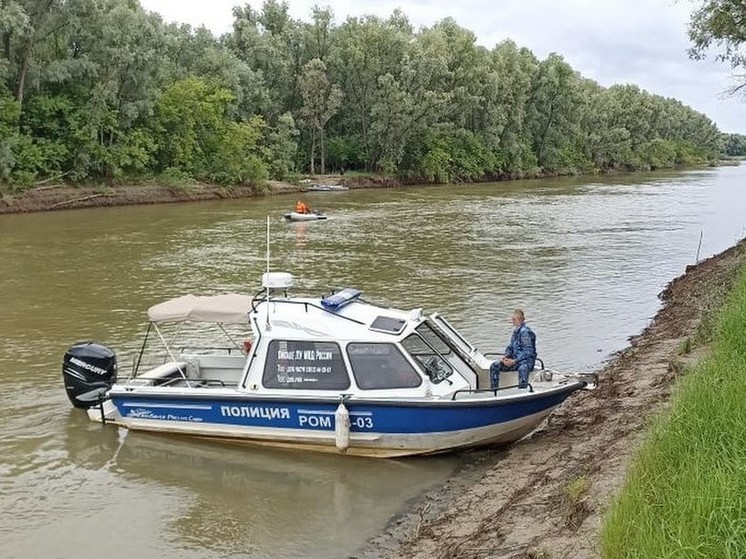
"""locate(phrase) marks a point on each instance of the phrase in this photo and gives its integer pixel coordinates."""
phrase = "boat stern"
(104, 412)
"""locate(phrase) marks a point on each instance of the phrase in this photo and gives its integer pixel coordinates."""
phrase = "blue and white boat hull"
(377, 428)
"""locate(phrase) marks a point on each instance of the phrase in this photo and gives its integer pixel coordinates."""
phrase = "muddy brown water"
(584, 257)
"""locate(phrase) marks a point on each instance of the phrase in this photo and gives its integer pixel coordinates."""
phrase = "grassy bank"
(685, 494)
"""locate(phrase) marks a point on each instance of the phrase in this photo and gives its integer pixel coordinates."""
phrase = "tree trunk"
(22, 74)
(6, 45)
(6, 35)
(313, 151)
(323, 151)
(540, 150)
(36, 25)
(366, 141)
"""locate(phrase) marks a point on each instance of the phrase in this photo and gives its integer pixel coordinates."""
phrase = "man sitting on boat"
(302, 208)
(520, 355)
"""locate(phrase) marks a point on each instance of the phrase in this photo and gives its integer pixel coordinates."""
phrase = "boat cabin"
(356, 348)
(319, 347)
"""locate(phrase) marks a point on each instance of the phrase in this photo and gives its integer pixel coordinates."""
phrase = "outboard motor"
(89, 370)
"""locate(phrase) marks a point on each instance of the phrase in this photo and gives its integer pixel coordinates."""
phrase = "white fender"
(342, 428)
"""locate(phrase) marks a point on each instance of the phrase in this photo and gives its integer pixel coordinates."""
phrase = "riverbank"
(689, 478)
(545, 496)
(67, 197)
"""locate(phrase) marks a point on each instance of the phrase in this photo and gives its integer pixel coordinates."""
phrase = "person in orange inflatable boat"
(302, 208)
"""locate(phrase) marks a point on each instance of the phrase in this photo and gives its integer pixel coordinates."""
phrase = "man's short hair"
(519, 312)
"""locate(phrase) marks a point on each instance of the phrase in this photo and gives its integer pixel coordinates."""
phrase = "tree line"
(94, 90)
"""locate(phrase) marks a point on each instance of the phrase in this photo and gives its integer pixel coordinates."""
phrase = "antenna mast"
(267, 281)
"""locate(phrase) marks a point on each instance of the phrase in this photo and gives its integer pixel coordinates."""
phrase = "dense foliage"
(734, 145)
(103, 90)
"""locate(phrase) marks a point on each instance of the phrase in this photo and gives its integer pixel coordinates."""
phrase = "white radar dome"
(277, 280)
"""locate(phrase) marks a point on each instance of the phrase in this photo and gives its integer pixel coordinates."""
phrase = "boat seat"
(160, 372)
(164, 371)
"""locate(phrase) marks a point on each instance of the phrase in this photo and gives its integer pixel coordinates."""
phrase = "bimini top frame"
(230, 308)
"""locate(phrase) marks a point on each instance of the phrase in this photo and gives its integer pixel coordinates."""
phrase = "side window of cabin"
(304, 364)
(442, 348)
(380, 366)
(432, 339)
(435, 366)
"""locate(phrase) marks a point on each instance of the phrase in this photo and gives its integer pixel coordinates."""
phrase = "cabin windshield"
(435, 354)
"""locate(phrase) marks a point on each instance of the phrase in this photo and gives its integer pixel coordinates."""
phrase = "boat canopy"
(230, 308)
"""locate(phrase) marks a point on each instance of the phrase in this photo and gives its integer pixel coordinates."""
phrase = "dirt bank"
(544, 497)
(66, 197)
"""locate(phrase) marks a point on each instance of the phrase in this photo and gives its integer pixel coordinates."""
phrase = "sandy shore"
(545, 496)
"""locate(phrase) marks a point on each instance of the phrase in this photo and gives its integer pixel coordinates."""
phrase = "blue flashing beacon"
(340, 299)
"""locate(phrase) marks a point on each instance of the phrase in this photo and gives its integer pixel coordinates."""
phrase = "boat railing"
(198, 383)
(207, 350)
(498, 354)
(260, 299)
(589, 380)
(493, 391)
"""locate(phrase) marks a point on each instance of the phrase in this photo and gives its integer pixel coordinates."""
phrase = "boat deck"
(200, 371)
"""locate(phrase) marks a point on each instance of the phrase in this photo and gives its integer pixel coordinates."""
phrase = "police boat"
(336, 374)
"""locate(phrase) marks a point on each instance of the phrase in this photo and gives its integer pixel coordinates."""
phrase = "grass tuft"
(538, 553)
(576, 489)
(574, 506)
(686, 346)
(685, 493)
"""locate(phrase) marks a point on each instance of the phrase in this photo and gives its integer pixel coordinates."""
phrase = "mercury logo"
(88, 366)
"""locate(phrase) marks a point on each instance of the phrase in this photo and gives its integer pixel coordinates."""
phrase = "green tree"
(321, 100)
(364, 49)
(720, 24)
(282, 146)
(202, 141)
(26, 27)
(273, 45)
(104, 90)
(605, 142)
(552, 114)
(319, 33)
(513, 71)
(9, 114)
(734, 145)
(235, 157)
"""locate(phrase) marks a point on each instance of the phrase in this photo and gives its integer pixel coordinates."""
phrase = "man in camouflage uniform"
(520, 355)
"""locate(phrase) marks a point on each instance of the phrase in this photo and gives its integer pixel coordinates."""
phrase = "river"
(584, 257)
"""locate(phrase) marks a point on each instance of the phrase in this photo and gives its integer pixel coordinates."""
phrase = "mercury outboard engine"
(89, 370)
